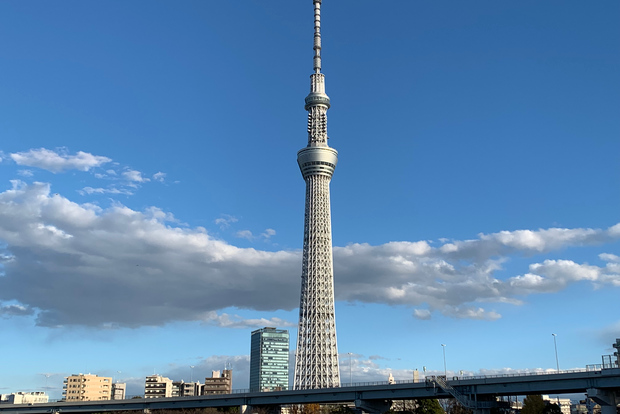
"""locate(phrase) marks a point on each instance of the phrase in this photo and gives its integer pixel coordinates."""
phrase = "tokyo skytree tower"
(316, 362)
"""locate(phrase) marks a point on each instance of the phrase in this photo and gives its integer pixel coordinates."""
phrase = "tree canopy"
(533, 404)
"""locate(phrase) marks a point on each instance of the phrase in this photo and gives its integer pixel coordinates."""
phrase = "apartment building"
(118, 390)
(156, 386)
(186, 389)
(219, 383)
(87, 387)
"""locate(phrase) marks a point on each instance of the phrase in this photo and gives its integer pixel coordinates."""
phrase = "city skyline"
(476, 206)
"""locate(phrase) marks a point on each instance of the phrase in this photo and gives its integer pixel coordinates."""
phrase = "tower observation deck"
(316, 362)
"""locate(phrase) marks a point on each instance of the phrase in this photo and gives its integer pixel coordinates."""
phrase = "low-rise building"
(87, 387)
(36, 397)
(563, 403)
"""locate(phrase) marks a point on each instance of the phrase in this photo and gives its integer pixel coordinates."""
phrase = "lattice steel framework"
(316, 362)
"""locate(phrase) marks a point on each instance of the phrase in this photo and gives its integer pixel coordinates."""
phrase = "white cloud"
(555, 275)
(159, 176)
(608, 257)
(89, 256)
(268, 233)
(235, 321)
(25, 173)
(99, 190)
(245, 234)
(470, 312)
(225, 221)
(134, 176)
(422, 314)
(58, 161)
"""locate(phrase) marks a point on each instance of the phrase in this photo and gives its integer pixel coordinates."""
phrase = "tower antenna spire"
(317, 36)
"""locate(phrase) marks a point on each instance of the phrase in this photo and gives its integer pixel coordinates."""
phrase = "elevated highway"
(603, 385)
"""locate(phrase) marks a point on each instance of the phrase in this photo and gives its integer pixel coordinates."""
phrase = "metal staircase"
(463, 399)
(443, 384)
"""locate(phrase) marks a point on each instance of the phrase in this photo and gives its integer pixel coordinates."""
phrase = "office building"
(269, 356)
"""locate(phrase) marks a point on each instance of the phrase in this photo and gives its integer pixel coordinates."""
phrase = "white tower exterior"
(316, 362)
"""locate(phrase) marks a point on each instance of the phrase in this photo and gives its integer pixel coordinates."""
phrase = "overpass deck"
(482, 388)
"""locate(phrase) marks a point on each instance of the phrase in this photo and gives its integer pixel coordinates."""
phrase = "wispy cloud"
(248, 235)
(235, 321)
(225, 221)
(134, 176)
(159, 176)
(58, 161)
(245, 234)
(99, 190)
(25, 173)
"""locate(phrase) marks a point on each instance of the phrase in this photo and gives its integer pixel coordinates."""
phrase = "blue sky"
(151, 208)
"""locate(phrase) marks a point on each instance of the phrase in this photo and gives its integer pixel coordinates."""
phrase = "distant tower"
(316, 363)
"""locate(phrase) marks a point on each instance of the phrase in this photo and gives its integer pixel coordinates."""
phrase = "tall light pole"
(350, 368)
(445, 371)
(191, 375)
(555, 345)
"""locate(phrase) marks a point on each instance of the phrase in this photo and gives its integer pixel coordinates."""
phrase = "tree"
(552, 408)
(417, 406)
(452, 406)
(428, 406)
(533, 404)
(336, 409)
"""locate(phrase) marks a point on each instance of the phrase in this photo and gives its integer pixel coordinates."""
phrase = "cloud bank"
(79, 264)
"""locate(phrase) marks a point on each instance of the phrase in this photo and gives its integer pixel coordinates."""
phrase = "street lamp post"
(47, 376)
(445, 371)
(350, 368)
(555, 345)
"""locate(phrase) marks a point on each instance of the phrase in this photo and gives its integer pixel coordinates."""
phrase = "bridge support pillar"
(373, 406)
(607, 399)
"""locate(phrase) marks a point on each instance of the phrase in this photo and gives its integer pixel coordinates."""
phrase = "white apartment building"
(156, 386)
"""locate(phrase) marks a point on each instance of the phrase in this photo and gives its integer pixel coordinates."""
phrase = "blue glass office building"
(269, 356)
